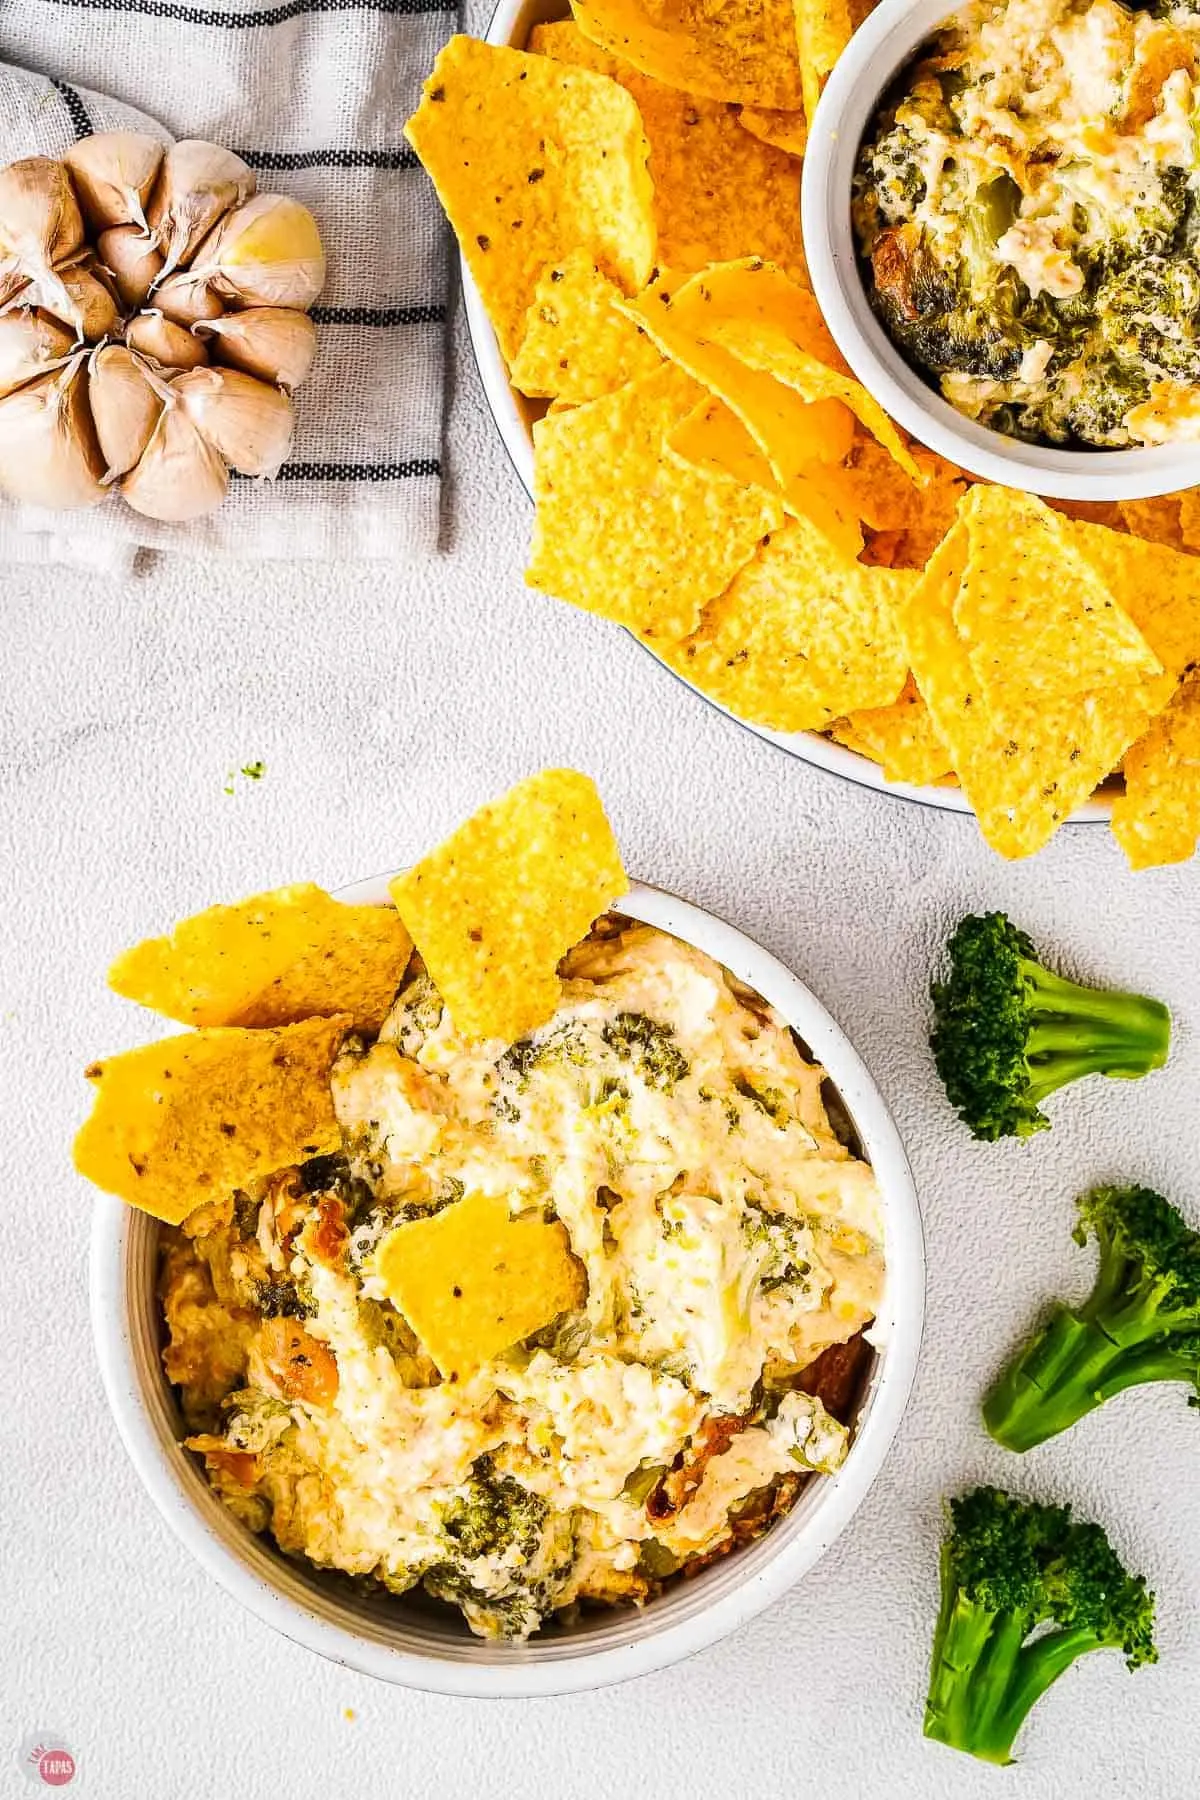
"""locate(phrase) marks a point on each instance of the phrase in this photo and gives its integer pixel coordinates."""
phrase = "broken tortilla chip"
(739, 50)
(577, 346)
(799, 636)
(494, 908)
(823, 29)
(292, 954)
(628, 530)
(183, 1122)
(1037, 617)
(717, 193)
(532, 161)
(901, 738)
(1157, 818)
(472, 1281)
(786, 130)
(1023, 765)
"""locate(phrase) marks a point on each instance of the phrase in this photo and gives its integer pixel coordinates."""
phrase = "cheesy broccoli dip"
(1025, 204)
(556, 1319)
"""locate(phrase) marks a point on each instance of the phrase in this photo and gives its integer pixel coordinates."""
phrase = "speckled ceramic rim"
(879, 49)
(423, 1647)
(511, 23)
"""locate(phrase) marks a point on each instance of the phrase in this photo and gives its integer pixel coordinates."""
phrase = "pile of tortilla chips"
(275, 983)
(709, 474)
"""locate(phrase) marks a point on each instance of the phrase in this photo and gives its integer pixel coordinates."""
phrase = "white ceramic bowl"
(511, 24)
(878, 51)
(413, 1641)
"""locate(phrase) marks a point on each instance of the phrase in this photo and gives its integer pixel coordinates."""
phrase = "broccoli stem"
(984, 1685)
(1077, 1031)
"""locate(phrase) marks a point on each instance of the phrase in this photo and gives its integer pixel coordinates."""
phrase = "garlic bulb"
(267, 253)
(168, 343)
(249, 423)
(180, 476)
(127, 402)
(48, 451)
(114, 172)
(40, 220)
(187, 301)
(198, 185)
(132, 261)
(30, 342)
(273, 342)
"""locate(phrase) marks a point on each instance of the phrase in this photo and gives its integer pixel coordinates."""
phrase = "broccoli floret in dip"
(1025, 209)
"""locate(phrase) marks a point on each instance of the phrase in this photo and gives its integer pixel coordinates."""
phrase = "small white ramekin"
(877, 52)
(415, 1643)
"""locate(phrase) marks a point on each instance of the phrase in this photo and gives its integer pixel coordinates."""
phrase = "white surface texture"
(386, 704)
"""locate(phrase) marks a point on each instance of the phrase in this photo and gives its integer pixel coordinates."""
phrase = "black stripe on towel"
(331, 471)
(331, 159)
(377, 315)
(247, 21)
(80, 121)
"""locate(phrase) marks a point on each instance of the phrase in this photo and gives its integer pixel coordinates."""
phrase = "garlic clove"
(180, 476)
(126, 404)
(48, 451)
(78, 293)
(276, 343)
(167, 343)
(198, 184)
(114, 172)
(246, 421)
(132, 261)
(40, 220)
(187, 301)
(30, 343)
(267, 253)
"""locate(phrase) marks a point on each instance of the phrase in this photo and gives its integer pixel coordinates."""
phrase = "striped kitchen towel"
(314, 95)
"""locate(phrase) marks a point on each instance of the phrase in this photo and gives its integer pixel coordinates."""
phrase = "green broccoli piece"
(495, 1516)
(1141, 1322)
(1150, 313)
(1025, 1593)
(1007, 1032)
(649, 1047)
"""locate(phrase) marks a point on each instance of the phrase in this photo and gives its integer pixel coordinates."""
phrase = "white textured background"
(386, 704)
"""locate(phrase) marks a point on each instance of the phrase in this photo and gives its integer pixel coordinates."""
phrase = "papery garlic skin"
(245, 421)
(180, 477)
(114, 173)
(30, 342)
(167, 343)
(40, 220)
(198, 184)
(186, 300)
(267, 253)
(127, 403)
(89, 301)
(276, 343)
(133, 262)
(49, 456)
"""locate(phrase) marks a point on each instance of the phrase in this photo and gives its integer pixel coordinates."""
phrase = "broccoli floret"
(1141, 1322)
(649, 1047)
(495, 1517)
(1007, 1032)
(785, 1246)
(1150, 313)
(1025, 1593)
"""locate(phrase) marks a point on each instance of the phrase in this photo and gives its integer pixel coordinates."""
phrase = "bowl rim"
(164, 1467)
(880, 47)
(508, 25)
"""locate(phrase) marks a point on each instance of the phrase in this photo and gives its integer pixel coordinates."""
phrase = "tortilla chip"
(577, 346)
(628, 530)
(1158, 520)
(713, 438)
(472, 1281)
(887, 499)
(1159, 589)
(900, 737)
(1036, 616)
(530, 162)
(1024, 765)
(786, 130)
(494, 908)
(183, 1122)
(1157, 819)
(276, 958)
(799, 636)
(771, 350)
(717, 192)
(823, 29)
(1189, 519)
(738, 50)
